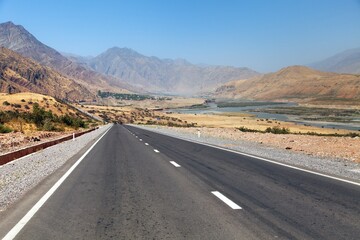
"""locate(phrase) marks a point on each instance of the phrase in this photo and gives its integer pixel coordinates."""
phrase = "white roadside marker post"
(199, 133)
(73, 136)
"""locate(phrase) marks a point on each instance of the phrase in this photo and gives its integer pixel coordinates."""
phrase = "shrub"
(353, 135)
(277, 130)
(15, 105)
(245, 129)
(23, 100)
(6, 103)
(73, 122)
(38, 115)
(7, 116)
(48, 125)
(4, 129)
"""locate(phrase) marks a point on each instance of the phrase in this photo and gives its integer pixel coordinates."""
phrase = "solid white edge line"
(17, 228)
(175, 164)
(264, 159)
(155, 150)
(226, 200)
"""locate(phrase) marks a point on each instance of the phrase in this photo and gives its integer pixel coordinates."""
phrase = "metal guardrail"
(8, 157)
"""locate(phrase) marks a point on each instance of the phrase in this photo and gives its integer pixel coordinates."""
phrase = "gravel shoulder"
(330, 155)
(21, 175)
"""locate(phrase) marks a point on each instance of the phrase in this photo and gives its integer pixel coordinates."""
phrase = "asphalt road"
(136, 184)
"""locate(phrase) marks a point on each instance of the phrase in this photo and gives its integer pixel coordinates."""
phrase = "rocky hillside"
(164, 75)
(345, 62)
(18, 39)
(20, 74)
(122, 69)
(299, 84)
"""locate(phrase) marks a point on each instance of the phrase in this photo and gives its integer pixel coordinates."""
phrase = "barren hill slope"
(19, 74)
(296, 83)
(18, 39)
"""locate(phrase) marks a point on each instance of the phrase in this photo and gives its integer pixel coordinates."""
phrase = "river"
(212, 108)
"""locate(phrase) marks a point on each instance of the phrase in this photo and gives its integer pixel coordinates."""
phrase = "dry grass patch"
(236, 120)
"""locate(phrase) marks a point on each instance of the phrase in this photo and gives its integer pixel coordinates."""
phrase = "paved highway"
(136, 184)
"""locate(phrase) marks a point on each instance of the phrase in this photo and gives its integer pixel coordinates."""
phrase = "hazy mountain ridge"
(166, 75)
(344, 62)
(152, 74)
(18, 39)
(296, 83)
(20, 74)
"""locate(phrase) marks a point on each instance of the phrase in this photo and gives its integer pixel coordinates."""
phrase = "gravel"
(21, 175)
(333, 166)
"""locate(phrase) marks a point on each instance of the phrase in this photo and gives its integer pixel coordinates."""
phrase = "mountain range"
(163, 75)
(344, 62)
(122, 69)
(39, 68)
(20, 74)
(298, 84)
(18, 39)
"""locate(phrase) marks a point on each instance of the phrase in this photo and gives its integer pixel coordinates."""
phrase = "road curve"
(136, 184)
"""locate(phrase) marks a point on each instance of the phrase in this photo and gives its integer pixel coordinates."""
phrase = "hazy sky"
(265, 35)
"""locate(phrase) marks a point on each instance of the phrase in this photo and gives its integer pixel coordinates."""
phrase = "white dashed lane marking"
(175, 164)
(226, 200)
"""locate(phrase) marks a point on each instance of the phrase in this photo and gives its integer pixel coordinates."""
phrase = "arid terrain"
(311, 140)
(345, 148)
(20, 74)
(236, 120)
(18, 120)
(342, 144)
(297, 84)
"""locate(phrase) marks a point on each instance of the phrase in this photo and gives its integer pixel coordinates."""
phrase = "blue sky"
(265, 35)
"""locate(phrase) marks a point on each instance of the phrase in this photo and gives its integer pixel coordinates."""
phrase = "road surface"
(136, 184)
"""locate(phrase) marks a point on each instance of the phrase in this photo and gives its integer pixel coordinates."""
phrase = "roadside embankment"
(21, 175)
(34, 146)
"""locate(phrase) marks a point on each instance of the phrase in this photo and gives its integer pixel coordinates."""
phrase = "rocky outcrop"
(19, 74)
(18, 39)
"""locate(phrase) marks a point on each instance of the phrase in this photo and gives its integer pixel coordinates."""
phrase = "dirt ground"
(14, 141)
(235, 120)
(175, 102)
(334, 147)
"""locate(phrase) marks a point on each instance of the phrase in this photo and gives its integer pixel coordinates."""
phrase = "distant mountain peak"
(8, 23)
(122, 51)
(298, 70)
(10, 26)
(17, 38)
(347, 61)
